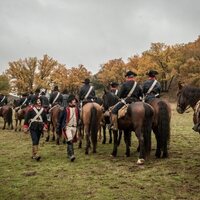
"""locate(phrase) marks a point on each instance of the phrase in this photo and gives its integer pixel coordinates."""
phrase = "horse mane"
(191, 93)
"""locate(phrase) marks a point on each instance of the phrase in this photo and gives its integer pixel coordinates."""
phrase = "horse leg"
(4, 125)
(104, 134)
(127, 142)
(140, 136)
(20, 125)
(80, 138)
(48, 133)
(115, 135)
(158, 147)
(87, 139)
(119, 138)
(110, 134)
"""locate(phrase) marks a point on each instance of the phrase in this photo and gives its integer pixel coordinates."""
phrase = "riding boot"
(70, 151)
(114, 122)
(35, 153)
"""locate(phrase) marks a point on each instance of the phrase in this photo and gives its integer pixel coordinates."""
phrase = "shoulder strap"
(152, 86)
(90, 89)
(56, 97)
(132, 89)
(2, 99)
(116, 91)
(38, 115)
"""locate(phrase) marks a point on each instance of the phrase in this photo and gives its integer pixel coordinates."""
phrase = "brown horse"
(91, 116)
(139, 119)
(54, 114)
(6, 112)
(187, 97)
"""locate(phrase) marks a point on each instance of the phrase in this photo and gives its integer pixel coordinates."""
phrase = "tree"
(4, 84)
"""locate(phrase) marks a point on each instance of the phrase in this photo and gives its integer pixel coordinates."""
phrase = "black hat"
(130, 74)
(87, 81)
(114, 84)
(34, 99)
(71, 98)
(55, 88)
(152, 73)
(25, 94)
(37, 90)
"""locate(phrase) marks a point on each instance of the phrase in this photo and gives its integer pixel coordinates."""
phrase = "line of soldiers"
(36, 117)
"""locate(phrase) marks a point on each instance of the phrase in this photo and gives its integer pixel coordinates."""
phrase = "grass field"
(99, 176)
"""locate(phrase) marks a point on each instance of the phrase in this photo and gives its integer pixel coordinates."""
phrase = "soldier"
(87, 92)
(128, 93)
(23, 102)
(151, 87)
(55, 97)
(68, 122)
(114, 87)
(36, 122)
(65, 98)
(44, 100)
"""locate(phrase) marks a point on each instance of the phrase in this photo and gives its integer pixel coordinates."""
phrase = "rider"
(55, 97)
(68, 122)
(151, 87)
(87, 92)
(114, 87)
(23, 102)
(129, 92)
(65, 98)
(36, 122)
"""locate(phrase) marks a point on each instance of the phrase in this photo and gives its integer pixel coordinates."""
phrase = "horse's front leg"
(20, 125)
(80, 137)
(110, 134)
(115, 135)
(4, 125)
(48, 133)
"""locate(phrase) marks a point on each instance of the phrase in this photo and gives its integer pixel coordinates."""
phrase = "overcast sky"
(91, 32)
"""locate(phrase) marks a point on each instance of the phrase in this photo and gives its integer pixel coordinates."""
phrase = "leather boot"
(114, 122)
(35, 153)
(70, 151)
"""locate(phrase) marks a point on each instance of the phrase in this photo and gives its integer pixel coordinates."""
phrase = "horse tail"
(94, 125)
(9, 116)
(147, 126)
(163, 125)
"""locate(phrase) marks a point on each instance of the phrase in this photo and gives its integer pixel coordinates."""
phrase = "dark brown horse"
(189, 97)
(161, 125)
(6, 112)
(139, 119)
(91, 116)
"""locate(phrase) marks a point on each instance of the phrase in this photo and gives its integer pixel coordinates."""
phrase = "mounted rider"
(151, 87)
(129, 92)
(65, 98)
(68, 123)
(35, 122)
(114, 87)
(87, 92)
(23, 102)
(56, 97)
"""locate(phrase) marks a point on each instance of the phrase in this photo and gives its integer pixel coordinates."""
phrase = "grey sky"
(91, 32)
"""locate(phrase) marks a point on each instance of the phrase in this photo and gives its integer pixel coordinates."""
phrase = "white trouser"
(70, 132)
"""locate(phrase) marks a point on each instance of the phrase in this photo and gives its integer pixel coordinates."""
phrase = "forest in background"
(173, 62)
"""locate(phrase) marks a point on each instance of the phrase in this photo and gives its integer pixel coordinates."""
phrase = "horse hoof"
(165, 155)
(140, 161)
(103, 142)
(110, 142)
(158, 155)
(86, 153)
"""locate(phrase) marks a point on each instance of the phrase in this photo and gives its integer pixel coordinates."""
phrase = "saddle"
(122, 111)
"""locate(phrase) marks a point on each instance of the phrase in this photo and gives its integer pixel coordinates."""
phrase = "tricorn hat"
(55, 88)
(152, 73)
(34, 99)
(87, 81)
(130, 74)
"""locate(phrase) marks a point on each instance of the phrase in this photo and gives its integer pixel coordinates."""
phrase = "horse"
(139, 119)
(54, 114)
(6, 112)
(91, 116)
(19, 114)
(188, 96)
(161, 125)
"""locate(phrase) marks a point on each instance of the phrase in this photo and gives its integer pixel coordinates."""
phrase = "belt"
(72, 126)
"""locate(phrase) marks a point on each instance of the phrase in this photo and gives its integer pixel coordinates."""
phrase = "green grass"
(99, 176)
